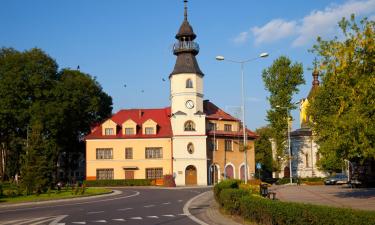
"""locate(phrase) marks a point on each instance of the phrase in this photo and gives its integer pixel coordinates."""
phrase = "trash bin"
(263, 190)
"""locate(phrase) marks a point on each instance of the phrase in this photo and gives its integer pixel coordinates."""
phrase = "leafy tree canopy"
(281, 79)
(43, 111)
(343, 109)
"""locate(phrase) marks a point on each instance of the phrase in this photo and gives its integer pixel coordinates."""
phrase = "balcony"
(183, 46)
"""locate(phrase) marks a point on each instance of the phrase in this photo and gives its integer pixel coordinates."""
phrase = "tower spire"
(185, 48)
(185, 10)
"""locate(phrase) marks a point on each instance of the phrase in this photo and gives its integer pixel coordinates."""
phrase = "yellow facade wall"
(119, 161)
(234, 157)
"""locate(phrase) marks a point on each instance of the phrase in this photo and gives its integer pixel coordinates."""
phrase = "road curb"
(112, 193)
(187, 212)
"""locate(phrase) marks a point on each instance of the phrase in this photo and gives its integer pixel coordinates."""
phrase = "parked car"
(336, 179)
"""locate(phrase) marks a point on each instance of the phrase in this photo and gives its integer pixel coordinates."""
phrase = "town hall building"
(192, 139)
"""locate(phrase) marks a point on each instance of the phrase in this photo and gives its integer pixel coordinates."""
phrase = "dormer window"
(189, 126)
(149, 130)
(109, 131)
(129, 131)
(149, 127)
(189, 83)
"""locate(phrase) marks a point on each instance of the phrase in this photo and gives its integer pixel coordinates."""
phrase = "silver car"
(336, 179)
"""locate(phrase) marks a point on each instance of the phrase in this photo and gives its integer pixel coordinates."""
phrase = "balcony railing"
(185, 46)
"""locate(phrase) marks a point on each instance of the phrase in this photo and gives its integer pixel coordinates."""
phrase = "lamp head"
(264, 55)
(220, 58)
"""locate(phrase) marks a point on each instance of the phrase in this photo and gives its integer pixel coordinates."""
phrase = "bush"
(253, 189)
(224, 185)
(103, 183)
(307, 180)
(230, 199)
(169, 181)
(266, 211)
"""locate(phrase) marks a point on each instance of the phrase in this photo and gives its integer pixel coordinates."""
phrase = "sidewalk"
(333, 195)
(205, 209)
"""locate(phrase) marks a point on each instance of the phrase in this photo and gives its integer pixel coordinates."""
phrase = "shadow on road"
(357, 193)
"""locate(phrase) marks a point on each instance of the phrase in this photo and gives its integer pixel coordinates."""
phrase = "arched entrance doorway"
(214, 174)
(229, 172)
(190, 175)
(242, 172)
(286, 172)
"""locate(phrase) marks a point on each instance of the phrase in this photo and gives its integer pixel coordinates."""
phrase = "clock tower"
(187, 117)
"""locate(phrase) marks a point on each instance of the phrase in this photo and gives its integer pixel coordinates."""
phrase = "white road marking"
(186, 210)
(169, 215)
(119, 219)
(182, 214)
(78, 203)
(99, 221)
(36, 221)
(42, 221)
(57, 220)
(153, 217)
(166, 203)
(148, 206)
(124, 209)
(136, 218)
(39, 220)
(180, 200)
(95, 212)
(79, 222)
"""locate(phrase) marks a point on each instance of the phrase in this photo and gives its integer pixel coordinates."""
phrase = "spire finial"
(185, 9)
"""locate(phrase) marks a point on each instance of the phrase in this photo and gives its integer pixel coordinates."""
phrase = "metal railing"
(185, 46)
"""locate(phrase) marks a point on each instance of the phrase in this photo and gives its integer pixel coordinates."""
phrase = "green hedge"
(225, 185)
(230, 199)
(104, 183)
(295, 180)
(265, 211)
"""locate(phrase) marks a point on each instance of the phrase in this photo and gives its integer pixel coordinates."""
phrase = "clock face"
(189, 104)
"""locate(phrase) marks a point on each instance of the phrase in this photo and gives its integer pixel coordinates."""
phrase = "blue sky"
(129, 42)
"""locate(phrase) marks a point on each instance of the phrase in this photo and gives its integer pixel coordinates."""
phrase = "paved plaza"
(338, 196)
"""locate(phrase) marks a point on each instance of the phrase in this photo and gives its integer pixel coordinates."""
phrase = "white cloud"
(241, 38)
(274, 30)
(316, 23)
(321, 23)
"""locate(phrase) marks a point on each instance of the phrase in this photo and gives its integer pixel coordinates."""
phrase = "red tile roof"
(214, 112)
(162, 118)
(139, 116)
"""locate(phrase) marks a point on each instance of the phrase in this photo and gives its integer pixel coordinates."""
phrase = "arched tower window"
(189, 83)
(190, 148)
(189, 126)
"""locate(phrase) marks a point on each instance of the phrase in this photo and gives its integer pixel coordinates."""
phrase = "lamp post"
(289, 151)
(242, 63)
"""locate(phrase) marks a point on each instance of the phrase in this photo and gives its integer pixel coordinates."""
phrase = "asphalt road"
(133, 206)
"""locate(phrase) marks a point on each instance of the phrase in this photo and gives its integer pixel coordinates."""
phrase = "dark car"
(336, 179)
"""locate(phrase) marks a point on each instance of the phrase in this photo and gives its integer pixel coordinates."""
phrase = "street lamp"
(289, 152)
(242, 63)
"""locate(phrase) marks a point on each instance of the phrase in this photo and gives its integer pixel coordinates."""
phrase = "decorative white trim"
(239, 170)
(218, 172)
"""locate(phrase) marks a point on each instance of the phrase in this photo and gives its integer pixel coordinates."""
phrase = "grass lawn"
(53, 195)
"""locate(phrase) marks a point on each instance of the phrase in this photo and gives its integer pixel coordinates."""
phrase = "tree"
(82, 103)
(26, 79)
(263, 150)
(56, 107)
(344, 107)
(281, 79)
